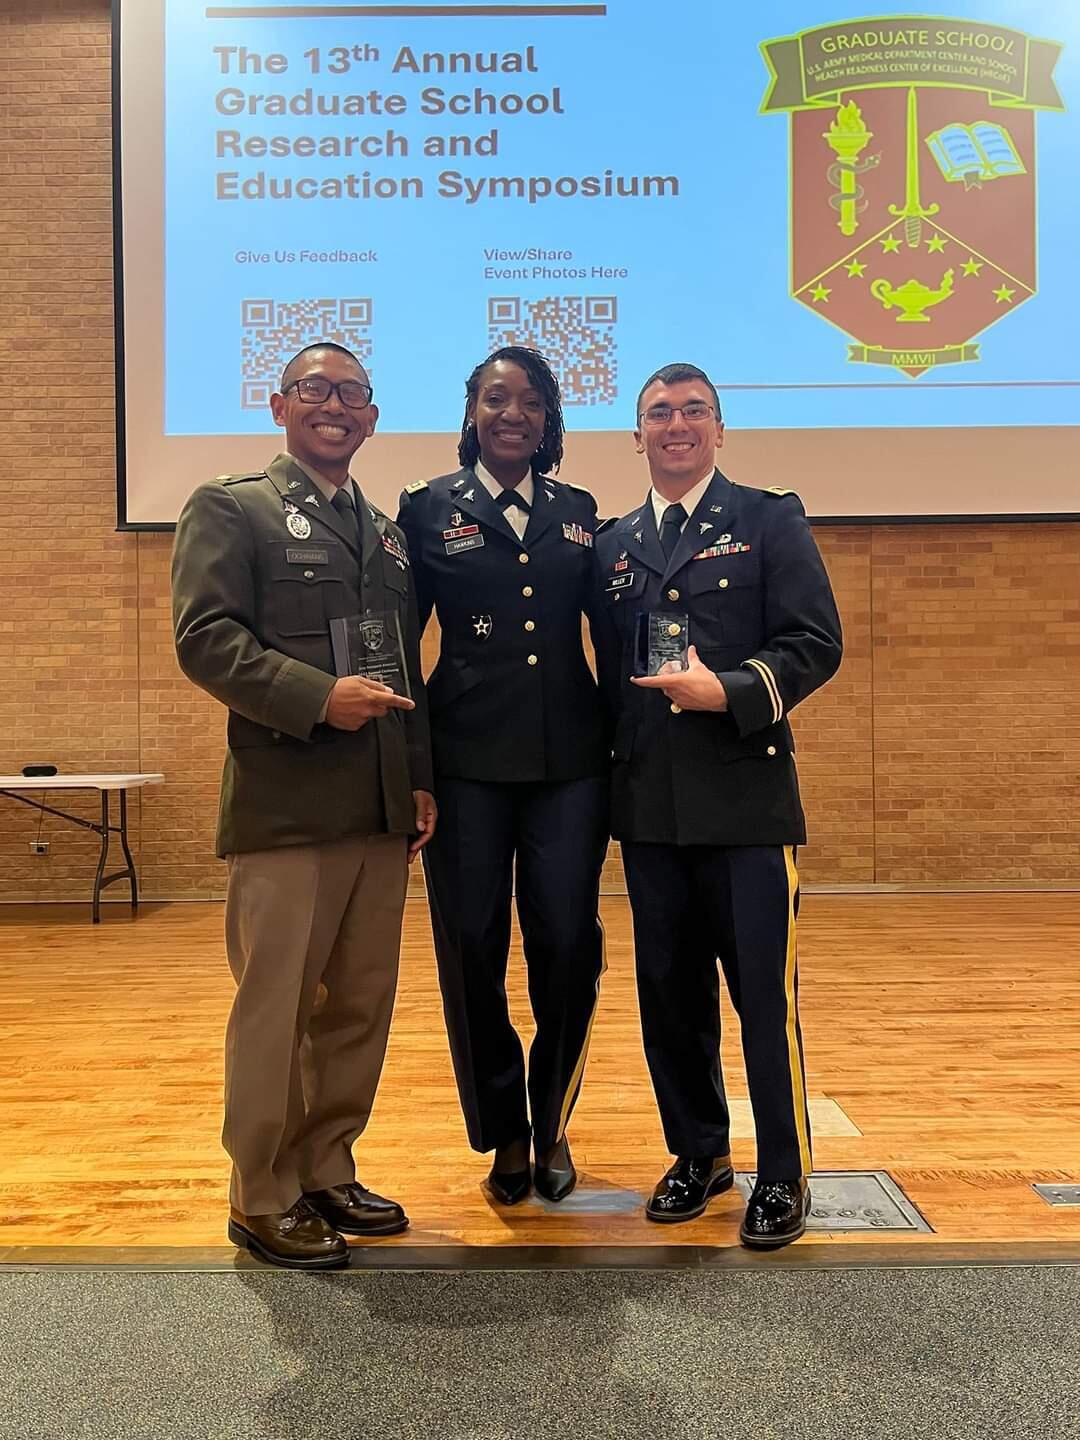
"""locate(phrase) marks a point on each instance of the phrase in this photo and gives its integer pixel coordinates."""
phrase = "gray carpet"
(675, 1355)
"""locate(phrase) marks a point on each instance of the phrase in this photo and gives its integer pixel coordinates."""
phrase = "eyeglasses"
(658, 415)
(316, 390)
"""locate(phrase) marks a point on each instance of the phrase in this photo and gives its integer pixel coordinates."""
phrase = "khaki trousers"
(313, 934)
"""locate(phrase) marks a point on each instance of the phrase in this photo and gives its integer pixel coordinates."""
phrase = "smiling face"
(680, 452)
(509, 416)
(328, 434)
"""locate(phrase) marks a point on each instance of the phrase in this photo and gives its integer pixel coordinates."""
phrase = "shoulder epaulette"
(579, 488)
(779, 490)
(239, 479)
(606, 524)
(415, 486)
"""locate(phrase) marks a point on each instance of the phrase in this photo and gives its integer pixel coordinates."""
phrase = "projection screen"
(864, 229)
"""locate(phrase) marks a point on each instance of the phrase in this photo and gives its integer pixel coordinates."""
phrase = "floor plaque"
(1058, 1193)
(855, 1200)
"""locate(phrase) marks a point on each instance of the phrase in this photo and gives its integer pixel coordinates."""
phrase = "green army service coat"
(261, 564)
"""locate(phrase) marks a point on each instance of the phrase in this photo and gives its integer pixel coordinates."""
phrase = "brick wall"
(947, 750)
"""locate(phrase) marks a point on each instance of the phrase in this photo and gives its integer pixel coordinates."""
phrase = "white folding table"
(17, 786)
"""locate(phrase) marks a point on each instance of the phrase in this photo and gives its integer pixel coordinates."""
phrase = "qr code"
(575, 333)
(272, 331)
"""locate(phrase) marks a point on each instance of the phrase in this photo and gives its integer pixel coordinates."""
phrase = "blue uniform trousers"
(553, 836)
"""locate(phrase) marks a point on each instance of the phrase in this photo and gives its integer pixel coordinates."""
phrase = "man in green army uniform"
(325, 798)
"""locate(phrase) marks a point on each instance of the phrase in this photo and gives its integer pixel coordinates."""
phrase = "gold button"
(672, 594)
(771, 750)
(676, 709)
(523, 559)
(722, 583)
(530, 624)
(674, 629)
(534, 660)
(527, 591)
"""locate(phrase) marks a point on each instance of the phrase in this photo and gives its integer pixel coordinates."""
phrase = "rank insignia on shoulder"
(415, 486)
(779, 490)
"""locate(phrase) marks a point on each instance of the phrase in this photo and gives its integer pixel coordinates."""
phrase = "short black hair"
(319, 345)
(549, 452)
(671, 375)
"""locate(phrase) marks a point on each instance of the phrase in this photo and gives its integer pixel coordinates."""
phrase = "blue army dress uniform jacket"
(747, 573)
(261, 564)
(512, 697)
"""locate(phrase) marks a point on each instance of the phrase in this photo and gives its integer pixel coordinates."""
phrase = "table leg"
(127, 852)
(96, 903)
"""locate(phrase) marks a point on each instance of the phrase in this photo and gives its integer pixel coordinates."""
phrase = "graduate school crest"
(913, 220)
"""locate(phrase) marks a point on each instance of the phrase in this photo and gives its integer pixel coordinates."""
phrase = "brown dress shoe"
(298, 1238)
(354, 1210)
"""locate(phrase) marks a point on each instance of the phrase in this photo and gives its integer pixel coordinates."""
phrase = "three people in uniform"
(329, 789)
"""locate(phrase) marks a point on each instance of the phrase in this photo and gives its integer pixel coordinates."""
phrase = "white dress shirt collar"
(515, 518)
(689, 501)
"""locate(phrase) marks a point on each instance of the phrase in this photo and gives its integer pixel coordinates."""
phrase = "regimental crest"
(913, 220)
(373, 634)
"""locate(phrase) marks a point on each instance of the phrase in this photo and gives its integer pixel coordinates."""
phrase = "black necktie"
(511, 497)
(343, 504)
(673, 520)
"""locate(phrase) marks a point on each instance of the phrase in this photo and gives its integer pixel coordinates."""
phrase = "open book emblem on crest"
(913, 222)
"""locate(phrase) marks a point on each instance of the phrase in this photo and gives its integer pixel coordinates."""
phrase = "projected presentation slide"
(854, 224)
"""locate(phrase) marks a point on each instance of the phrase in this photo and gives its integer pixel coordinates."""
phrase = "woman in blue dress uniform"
(504, 554)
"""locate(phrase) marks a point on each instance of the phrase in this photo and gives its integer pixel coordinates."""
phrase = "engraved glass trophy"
(371, 645)
(661, 643)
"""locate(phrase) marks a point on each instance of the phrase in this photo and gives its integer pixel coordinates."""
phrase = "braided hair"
(549, 452)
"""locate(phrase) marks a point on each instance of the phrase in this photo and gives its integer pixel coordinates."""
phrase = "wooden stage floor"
(945, 1029)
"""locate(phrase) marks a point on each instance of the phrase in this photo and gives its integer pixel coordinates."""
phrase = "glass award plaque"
(661, 643)
(371, 645)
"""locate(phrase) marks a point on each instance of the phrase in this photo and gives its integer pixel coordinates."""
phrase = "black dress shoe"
(776, 1214)
(509, 1186)
(297, 1238)
(354, 1210)
(555, 1182)
(688, 1186)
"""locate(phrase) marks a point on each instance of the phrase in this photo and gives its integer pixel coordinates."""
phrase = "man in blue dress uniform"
(705, 796)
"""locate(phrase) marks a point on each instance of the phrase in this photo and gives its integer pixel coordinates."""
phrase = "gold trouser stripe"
(798, 1088)
(771, 686)
(579, 1068)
